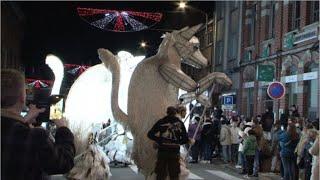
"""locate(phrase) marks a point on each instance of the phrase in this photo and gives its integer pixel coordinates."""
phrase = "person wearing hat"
(168, 133)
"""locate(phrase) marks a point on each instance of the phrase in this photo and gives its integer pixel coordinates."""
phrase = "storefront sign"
(248, 84)
(227, 107)
(276, 90)
(290, 79)
(304, 36)
(264, 83)
(310, 76)
(288, 41)
(266, 72)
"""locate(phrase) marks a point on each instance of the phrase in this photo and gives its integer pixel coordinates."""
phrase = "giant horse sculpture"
(154, 86)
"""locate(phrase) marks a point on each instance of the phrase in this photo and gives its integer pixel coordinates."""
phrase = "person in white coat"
(225, 141)
(235, 140)
(314, 151)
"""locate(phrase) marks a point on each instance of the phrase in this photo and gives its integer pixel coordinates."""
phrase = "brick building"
(285, 36)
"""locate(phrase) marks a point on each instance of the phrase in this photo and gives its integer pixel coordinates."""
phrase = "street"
(216, 171)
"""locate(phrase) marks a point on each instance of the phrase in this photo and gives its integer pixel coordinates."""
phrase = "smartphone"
(56, 107)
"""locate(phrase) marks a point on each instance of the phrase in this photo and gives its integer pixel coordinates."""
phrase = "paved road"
(215, 171)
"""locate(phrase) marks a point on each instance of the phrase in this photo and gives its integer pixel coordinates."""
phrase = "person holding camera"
(28, 152)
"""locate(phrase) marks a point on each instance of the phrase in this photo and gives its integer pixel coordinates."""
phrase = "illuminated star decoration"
(119, 21)
(76, 69)
(38, 83)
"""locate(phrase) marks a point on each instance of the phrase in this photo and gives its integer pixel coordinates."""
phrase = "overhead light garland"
(76, 69)
(119, 21)
(37, 83)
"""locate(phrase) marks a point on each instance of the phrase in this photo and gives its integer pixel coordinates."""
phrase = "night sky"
(55, 27)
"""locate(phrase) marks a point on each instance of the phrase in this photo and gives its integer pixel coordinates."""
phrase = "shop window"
(267, 100)
(292, 88)
(312, 92)
(250, 102)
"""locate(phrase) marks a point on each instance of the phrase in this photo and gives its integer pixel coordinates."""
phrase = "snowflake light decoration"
(119, 21)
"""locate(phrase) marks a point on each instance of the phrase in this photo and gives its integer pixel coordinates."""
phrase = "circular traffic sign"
(276, 90)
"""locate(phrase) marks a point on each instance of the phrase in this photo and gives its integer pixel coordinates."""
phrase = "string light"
(119, 21)
(76, 69)
(37, 83)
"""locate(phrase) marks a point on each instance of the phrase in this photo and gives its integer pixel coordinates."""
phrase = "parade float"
(154, 86)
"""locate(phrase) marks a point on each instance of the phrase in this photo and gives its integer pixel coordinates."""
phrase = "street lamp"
(143, 44)
(183, 5)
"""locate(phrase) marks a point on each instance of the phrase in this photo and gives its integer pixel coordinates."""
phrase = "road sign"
(228, 100)
(276, 90)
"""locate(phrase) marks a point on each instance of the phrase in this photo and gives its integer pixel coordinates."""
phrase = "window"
(295, 9)
(314, 11)
(250, 102)
(219, 52)
(220, 10)
(273, 19)
(312, 92)
(251, 30)
(233, 5)
(271, 5)
(210, 33)
(220, 44)
(249, 55)
(233, 34)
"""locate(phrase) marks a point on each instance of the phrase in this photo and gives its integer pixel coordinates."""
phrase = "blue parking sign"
(228, 100)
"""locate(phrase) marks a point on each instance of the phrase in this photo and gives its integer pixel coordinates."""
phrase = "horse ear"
(187, 33)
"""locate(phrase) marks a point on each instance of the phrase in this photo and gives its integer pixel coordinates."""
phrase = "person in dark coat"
(195, 148)
(168, 133)
(288, 141)
(27, 152)
(267, 121)
(206, 140)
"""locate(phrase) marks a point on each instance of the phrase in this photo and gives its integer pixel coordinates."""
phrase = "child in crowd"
(249, 150)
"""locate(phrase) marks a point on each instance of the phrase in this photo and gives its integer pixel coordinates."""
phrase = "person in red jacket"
(26, 152)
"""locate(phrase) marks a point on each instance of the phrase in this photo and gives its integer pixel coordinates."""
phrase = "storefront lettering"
(305, 36)
(292, 78)
(310, 75)
(248, 84)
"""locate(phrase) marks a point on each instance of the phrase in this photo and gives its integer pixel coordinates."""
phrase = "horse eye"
(196, 47)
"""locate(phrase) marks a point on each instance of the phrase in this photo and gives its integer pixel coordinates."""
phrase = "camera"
(53, 104)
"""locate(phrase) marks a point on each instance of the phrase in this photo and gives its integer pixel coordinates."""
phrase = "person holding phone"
(29, 153)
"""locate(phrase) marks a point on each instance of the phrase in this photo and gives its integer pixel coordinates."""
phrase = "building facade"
(258, 42)
(12, 27)
(283, 35)
(226, 50)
